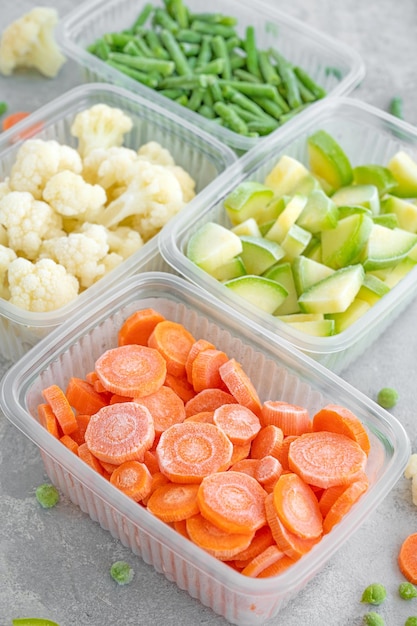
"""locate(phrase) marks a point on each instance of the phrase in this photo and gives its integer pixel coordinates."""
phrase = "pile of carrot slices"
(178, 426)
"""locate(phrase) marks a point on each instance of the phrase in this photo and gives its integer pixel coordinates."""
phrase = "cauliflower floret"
(187, 183)
(100, 126)
(124, 241)
(155, 153)
(69, 195)
(4, 188)
(27, 222)
(7, 255)
(153, 197)
(37, 161)
(30, 42)
(41, 286)
(111, 169)
(81, 253)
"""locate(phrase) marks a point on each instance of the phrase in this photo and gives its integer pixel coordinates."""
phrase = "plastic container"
(302, 45)
(367, 135)
(278, 372)
(204, 157)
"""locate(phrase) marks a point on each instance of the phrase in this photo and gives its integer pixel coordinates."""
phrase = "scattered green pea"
(122, 572)
(387, 397)
(47, 495)
(407, 591)
(373, 619)
(374, 594)
(411, 621)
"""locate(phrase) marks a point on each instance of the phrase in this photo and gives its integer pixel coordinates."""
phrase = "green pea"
(411, 621)
(374, 594)
(387, 397)
(122, 572)
(47, 495)
(373, 619)
(407, 591)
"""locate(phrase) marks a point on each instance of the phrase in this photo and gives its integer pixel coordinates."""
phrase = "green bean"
(189, 36)
(288, 116)
(334, 71)
(172, 94)
(102, 49)
(132, 49)
(252, 62)
(164, 20)
(233, 42)
(267, 70)
(213, 67)
(165, 68)
(396, 107)
(262, 127)
(192, 81)
(289, 83)
(208, 97)
(243, 101)
(231, 118)
(150, 80)
(189, 49)
(179, 12)
(214, 18)
(252, 89)
(3, 107)
(216, 92)
(237, 61)
(305, 94)
(177, 55)
(157, 49)
(246, 76)
(221, 52)
(207, 111)
(196, 98)
(182, 99)
(309, 83)
(143, 16)
(205, 54)
(271, 107)
(213, 29)
(117, 40)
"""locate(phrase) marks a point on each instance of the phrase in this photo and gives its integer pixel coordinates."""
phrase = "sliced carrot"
(340, 419)
(247, 466)
(173, 342)
(131, 370)
(48, 420)
(203, 416)
(120, 432)
(133, 478)
(205, 369)
(297, 506)
(158, 479)
(69, 443)
(115, 398)
(83, 397)
(174, 501)
(324, 458)
(407, 558)
(138, 327)
(109, 467)
(344, 502)
(262, 539)
(281, 565)
(91, 377)
(294, 546)
(181, 386)
(222, 544)
(181, 527)
(82, 422)
(292, 419)
(267, 442)
(151, 462)
(261, 561)
(197, 347)
(59, 404)
(240, 451)
(239, 423)
(267, 472)
(207, 400)
(233, 501)
(328, 497)
(190, 451)
(165, 407)
(89, 458)
(240, 386)
(282, 451)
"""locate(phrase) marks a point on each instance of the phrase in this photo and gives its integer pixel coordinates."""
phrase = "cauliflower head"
(100, 126)
(155, 153)
(110, 168)
(42, 286)
(69, 195)
(7, 255)
(80, 253)
(29, 42)
(124, 241)
(27, 222)
(37, 161)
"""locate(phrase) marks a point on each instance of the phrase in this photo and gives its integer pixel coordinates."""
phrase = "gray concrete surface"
(54, 564)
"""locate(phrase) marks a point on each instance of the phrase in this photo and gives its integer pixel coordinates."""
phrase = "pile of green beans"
(200, 61)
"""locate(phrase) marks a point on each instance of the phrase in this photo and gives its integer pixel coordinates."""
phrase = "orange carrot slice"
(83, 397)
(150, 460)
(120, 432)
(203, 416)
(279, 566)
(197, 347)
(324, 458)
(173, 342)
(89, 458)
(240, 386)
(220, 543)
(268, 470)
(138, 327)
(261, 561)
(292, 419)
(281, 453)
(82, 422)
(240, 451)
(173, 502)
(181, 386)
(340, 419)
(205, 369)
(344, 502)
(233, 501)
(158, 479)
(407, 558)
(133, 478)
(190, 451)
(247, 466)
(262, 539)
(328, 497)
(59, 404)
(239, 423)
(131, 370)
(267, 442)
(69, 443)
(297, 506)
(48, 420)
(165, 407)
(208, 400)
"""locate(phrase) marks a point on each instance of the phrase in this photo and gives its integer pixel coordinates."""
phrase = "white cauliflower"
(27, 222)
(7, 255)
(4, 188)
(153, 197)
(41, 286)
(29, 42)
(187, 183)
(69, 195)
(37, 161)
(81, 253)
(110, 168)
(124, 241)
(155, 153)
(100, 126)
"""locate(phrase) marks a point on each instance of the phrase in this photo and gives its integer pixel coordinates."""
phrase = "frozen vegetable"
(374, 594)
(47, 495)
(33, 621)
(122, 572)
(29, 42)
(387, 397)
(407, 591)
(3, 107)
(373, 619)
(407, 558)
(100, 126)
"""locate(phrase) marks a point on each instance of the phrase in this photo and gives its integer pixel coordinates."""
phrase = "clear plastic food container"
(333, 65)
(204, 157)
(278, 372)
(367, 135)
